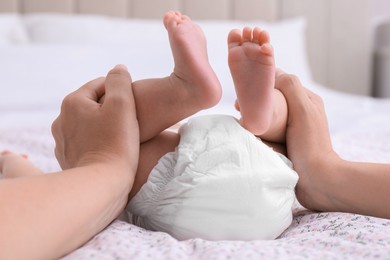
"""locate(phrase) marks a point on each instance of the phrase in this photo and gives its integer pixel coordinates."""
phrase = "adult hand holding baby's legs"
(327, 182)
(98, 146)
(87, 131)
(308, 143)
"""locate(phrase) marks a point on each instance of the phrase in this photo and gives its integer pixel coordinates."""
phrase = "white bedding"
(38, 69)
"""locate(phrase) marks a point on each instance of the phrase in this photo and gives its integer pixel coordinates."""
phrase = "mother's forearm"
(363, 188)
(51, 215)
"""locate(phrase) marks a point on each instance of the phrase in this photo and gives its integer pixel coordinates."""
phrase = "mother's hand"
(308, 141)
(88, 132)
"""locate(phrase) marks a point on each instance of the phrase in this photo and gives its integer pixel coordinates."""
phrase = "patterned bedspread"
(312, 235)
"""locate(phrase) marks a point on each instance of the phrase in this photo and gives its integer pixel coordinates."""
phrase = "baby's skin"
(252, 66)
(192, 71)
(251, 62)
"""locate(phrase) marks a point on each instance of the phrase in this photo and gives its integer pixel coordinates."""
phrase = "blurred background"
(347, 40)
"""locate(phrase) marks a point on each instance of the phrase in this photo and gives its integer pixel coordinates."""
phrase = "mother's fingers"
(118, 86)
(75, 107)
(292, 88)
(316, 99)
(93, 90)
(296, 95)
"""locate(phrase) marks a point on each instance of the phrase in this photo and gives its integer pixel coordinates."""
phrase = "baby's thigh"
(150, 152)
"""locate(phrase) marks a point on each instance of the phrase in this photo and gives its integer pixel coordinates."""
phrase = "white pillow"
(91, 29)
(287, 36)
(68, 51)
(12, 30)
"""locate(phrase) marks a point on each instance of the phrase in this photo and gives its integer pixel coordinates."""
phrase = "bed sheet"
(311, 235)
(37, 75)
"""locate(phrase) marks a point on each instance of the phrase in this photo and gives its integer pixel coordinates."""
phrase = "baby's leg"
(150, 152)
(14, 166)
(191, 87)
(163, 102)
(251, 61)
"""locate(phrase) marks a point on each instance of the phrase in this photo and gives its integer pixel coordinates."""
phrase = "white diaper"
(221, 183)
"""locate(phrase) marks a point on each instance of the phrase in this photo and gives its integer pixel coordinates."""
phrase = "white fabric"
(93, 29)
(65, 52)
(12, 30)
(221, 183)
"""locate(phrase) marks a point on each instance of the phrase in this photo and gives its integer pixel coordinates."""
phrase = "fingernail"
(120, 66)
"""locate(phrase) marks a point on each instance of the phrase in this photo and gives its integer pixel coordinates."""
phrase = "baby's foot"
(252, 66)
(192, 72)
(13, 165)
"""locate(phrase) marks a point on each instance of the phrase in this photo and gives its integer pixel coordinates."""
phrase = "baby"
(215, 179)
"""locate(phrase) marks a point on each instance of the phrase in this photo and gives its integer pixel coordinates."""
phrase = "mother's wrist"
(335, 183)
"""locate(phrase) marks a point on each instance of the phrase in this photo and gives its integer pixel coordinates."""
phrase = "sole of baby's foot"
(252, 66)
(192, 73)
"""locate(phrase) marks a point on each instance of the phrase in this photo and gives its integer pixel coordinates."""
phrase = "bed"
(46, 56)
